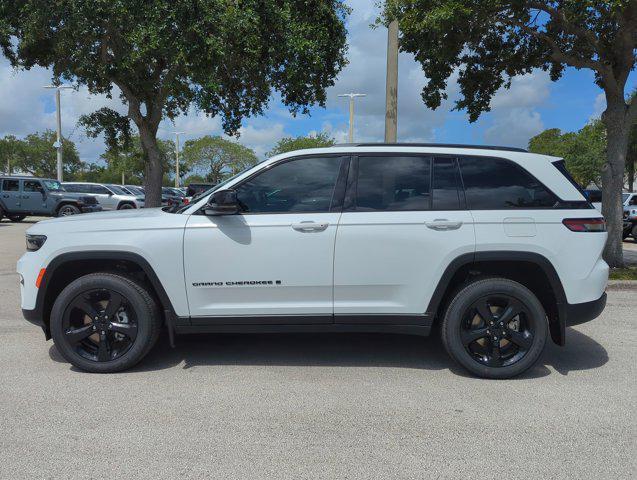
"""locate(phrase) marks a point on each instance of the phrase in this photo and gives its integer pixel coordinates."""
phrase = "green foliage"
(130, 160)
(36, 155)
(217, 157)
(289, 144)
(225, 58)
(489, 42)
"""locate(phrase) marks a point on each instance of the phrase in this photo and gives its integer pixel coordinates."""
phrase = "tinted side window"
(32, 186)
(445, 192)
(75, 188)
(98, 189)
(497, 184)
(393, 183)
(10, 185)
(303, 185)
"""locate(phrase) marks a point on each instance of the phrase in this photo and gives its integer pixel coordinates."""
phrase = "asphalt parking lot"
(315, 406)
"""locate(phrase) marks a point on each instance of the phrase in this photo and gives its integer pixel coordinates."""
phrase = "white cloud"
(599, 106)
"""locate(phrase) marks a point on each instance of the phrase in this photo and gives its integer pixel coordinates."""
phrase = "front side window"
(10, 185)
(302, 185)
(32, 186)
(387, 183)
(498, 184)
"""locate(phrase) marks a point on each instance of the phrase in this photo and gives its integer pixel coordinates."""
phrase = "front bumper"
(91, 208)
(577, 313)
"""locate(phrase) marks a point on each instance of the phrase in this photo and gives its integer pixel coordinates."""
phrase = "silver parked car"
(110, 197)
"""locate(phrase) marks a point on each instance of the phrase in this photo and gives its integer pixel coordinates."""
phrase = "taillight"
(585, 224)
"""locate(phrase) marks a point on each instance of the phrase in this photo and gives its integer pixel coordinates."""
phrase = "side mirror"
(223, 202)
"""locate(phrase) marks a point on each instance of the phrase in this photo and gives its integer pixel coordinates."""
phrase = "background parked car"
(24, 196)
(195, 188)
(110, 197)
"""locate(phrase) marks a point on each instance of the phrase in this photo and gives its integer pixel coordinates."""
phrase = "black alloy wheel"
(100, 325)
(104, 322)
(495, 328)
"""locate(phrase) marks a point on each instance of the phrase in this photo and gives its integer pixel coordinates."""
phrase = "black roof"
(439, 145)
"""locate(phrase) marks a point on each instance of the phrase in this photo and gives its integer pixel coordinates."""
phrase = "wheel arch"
(125, 202)
(532, 270)
(66, 202)
(67, 267)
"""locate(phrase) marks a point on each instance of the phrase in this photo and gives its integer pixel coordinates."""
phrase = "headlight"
(35, 242)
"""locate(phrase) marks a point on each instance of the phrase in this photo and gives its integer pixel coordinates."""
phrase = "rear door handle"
(309, 226)
(442, 224)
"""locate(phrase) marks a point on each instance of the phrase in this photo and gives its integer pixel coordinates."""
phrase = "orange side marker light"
(40, 276)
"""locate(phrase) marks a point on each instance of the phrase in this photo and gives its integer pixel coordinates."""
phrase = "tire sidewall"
(144, 313)
(465, 298)
(76, 210)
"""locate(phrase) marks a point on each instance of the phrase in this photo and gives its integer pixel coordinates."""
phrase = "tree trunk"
(153, 167)
(617, 134)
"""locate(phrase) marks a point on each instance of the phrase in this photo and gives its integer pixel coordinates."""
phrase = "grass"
(627, 273)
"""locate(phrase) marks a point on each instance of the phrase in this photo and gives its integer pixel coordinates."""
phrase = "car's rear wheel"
(17, 218)
(68, 209)
(495, 328)
(104, 322)
(126, 206)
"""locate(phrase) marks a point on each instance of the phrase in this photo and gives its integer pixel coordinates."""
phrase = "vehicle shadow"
(348, 350)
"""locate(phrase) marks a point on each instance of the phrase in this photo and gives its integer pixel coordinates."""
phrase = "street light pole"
(58, 143)
(350, 136)
(391, 93)
(177, 158)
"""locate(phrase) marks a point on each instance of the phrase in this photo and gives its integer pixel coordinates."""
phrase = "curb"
(622, 285)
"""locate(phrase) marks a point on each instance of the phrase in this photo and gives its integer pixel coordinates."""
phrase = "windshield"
(116, 189)
(53, 186)
(625, 197)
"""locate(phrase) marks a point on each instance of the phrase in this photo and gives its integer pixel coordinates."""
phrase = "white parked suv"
(494, 247)
(110, 197)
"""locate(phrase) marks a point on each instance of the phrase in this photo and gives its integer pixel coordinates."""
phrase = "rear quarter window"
(499, 184)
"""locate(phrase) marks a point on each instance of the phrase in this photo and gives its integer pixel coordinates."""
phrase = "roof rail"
(439, 145)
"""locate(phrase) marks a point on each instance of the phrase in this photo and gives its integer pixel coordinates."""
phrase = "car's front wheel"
(104, 322)
(68, 209)
(495, 328)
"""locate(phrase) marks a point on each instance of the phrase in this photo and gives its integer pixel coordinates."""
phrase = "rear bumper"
(576, 313)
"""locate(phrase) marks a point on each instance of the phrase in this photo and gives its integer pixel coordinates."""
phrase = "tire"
(126, 206)
(633, 232)
(67, 210)
(1, 213)
(495, 350)
(17, 218)
(113, 342)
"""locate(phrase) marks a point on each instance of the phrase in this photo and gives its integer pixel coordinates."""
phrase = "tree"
(9, 149)
(217, 157)
(488, 43)
(583, 151)
(35, 154)
(166, 56)
(128, 158)
(287, 144)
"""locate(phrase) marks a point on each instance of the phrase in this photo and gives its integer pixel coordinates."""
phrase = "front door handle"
(442, 224)
(309, 226)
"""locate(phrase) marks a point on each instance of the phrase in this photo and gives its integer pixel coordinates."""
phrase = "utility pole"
(391, 92)
(177, 158)
(350, 137)
(58, 143)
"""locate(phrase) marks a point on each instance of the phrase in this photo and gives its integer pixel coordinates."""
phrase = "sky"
(531, 105)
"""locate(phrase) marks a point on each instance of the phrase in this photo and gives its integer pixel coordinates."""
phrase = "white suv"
(497, 247)
(110, 197)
